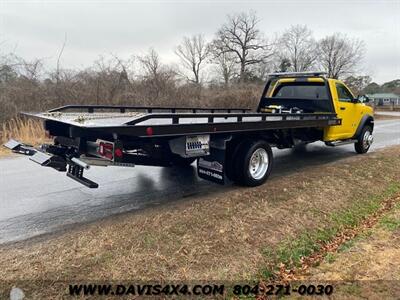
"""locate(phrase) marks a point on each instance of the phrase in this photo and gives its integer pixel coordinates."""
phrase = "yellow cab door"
(346, 109)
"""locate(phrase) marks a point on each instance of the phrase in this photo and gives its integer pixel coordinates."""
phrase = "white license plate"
(198, 144)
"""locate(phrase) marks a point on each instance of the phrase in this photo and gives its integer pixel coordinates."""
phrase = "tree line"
(225, 71)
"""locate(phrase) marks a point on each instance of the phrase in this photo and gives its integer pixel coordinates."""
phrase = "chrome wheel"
(364, 140)
(367, 139)
(258, 165)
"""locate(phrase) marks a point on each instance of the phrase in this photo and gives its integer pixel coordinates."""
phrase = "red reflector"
(118, 152)
(149, 131)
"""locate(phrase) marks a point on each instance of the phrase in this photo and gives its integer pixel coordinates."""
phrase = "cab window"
(344, 94)
(300, 90)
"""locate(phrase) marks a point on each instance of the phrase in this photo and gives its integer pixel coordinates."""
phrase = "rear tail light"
(106, 150)
(110, 150)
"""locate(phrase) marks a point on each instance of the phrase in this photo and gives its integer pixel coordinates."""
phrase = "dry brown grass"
(371, 258)
(218, 237)
(28, 131)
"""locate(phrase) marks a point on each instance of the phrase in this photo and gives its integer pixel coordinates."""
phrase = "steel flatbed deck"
(88, 121)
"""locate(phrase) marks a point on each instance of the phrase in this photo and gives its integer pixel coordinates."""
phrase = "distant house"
(384, 98)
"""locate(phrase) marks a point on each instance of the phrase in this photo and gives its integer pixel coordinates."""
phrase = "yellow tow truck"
(229, 144)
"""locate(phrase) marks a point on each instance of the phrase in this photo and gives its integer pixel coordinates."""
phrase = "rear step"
(58, 162)
(340, 143)
(76, 173)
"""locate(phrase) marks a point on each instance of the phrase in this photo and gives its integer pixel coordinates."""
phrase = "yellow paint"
(315, 79)
(351, 114)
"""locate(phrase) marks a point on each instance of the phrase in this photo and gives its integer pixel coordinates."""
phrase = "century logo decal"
(212, 165)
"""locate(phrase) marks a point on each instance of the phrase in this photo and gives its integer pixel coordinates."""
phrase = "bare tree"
(193, 52)
(7, 73)
(299, 47)
(260, 71)
(111, 77)
(32, 69)
(241, 37)
(151, 63)
(339, 55)
(158, 79)
(282, 64)
(225, 63)
(358, 83)
(58, 71)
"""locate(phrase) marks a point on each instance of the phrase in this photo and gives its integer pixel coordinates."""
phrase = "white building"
(384, 98)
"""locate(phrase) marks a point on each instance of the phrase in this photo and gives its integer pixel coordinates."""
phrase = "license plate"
(198, 144)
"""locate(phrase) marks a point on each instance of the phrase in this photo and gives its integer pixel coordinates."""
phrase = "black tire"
(362, 145)
(231, 155)
(241, 163)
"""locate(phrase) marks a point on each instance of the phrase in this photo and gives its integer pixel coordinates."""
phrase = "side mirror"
(362, 99)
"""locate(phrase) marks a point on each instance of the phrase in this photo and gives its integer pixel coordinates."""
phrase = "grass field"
(370, 261)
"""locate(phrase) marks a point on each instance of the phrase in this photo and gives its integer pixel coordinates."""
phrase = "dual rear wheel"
(251, 164)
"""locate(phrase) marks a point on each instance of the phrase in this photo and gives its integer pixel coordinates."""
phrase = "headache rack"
(298, 74)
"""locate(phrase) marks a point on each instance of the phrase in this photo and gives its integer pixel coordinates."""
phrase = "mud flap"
(212, 167)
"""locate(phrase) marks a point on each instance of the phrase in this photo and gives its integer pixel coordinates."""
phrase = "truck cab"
(313, 93)
(350, 110)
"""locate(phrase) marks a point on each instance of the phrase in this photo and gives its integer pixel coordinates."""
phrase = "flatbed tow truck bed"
(156, 122)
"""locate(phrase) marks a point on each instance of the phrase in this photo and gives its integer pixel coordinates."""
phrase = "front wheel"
(253, 163)
(364, 140)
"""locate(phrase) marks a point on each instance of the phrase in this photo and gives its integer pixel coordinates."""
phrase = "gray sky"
(36, 29)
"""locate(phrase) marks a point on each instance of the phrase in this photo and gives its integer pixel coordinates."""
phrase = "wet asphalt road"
(388, 113)
(35, 200)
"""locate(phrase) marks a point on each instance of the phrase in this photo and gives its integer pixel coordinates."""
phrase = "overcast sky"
(36, 29)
